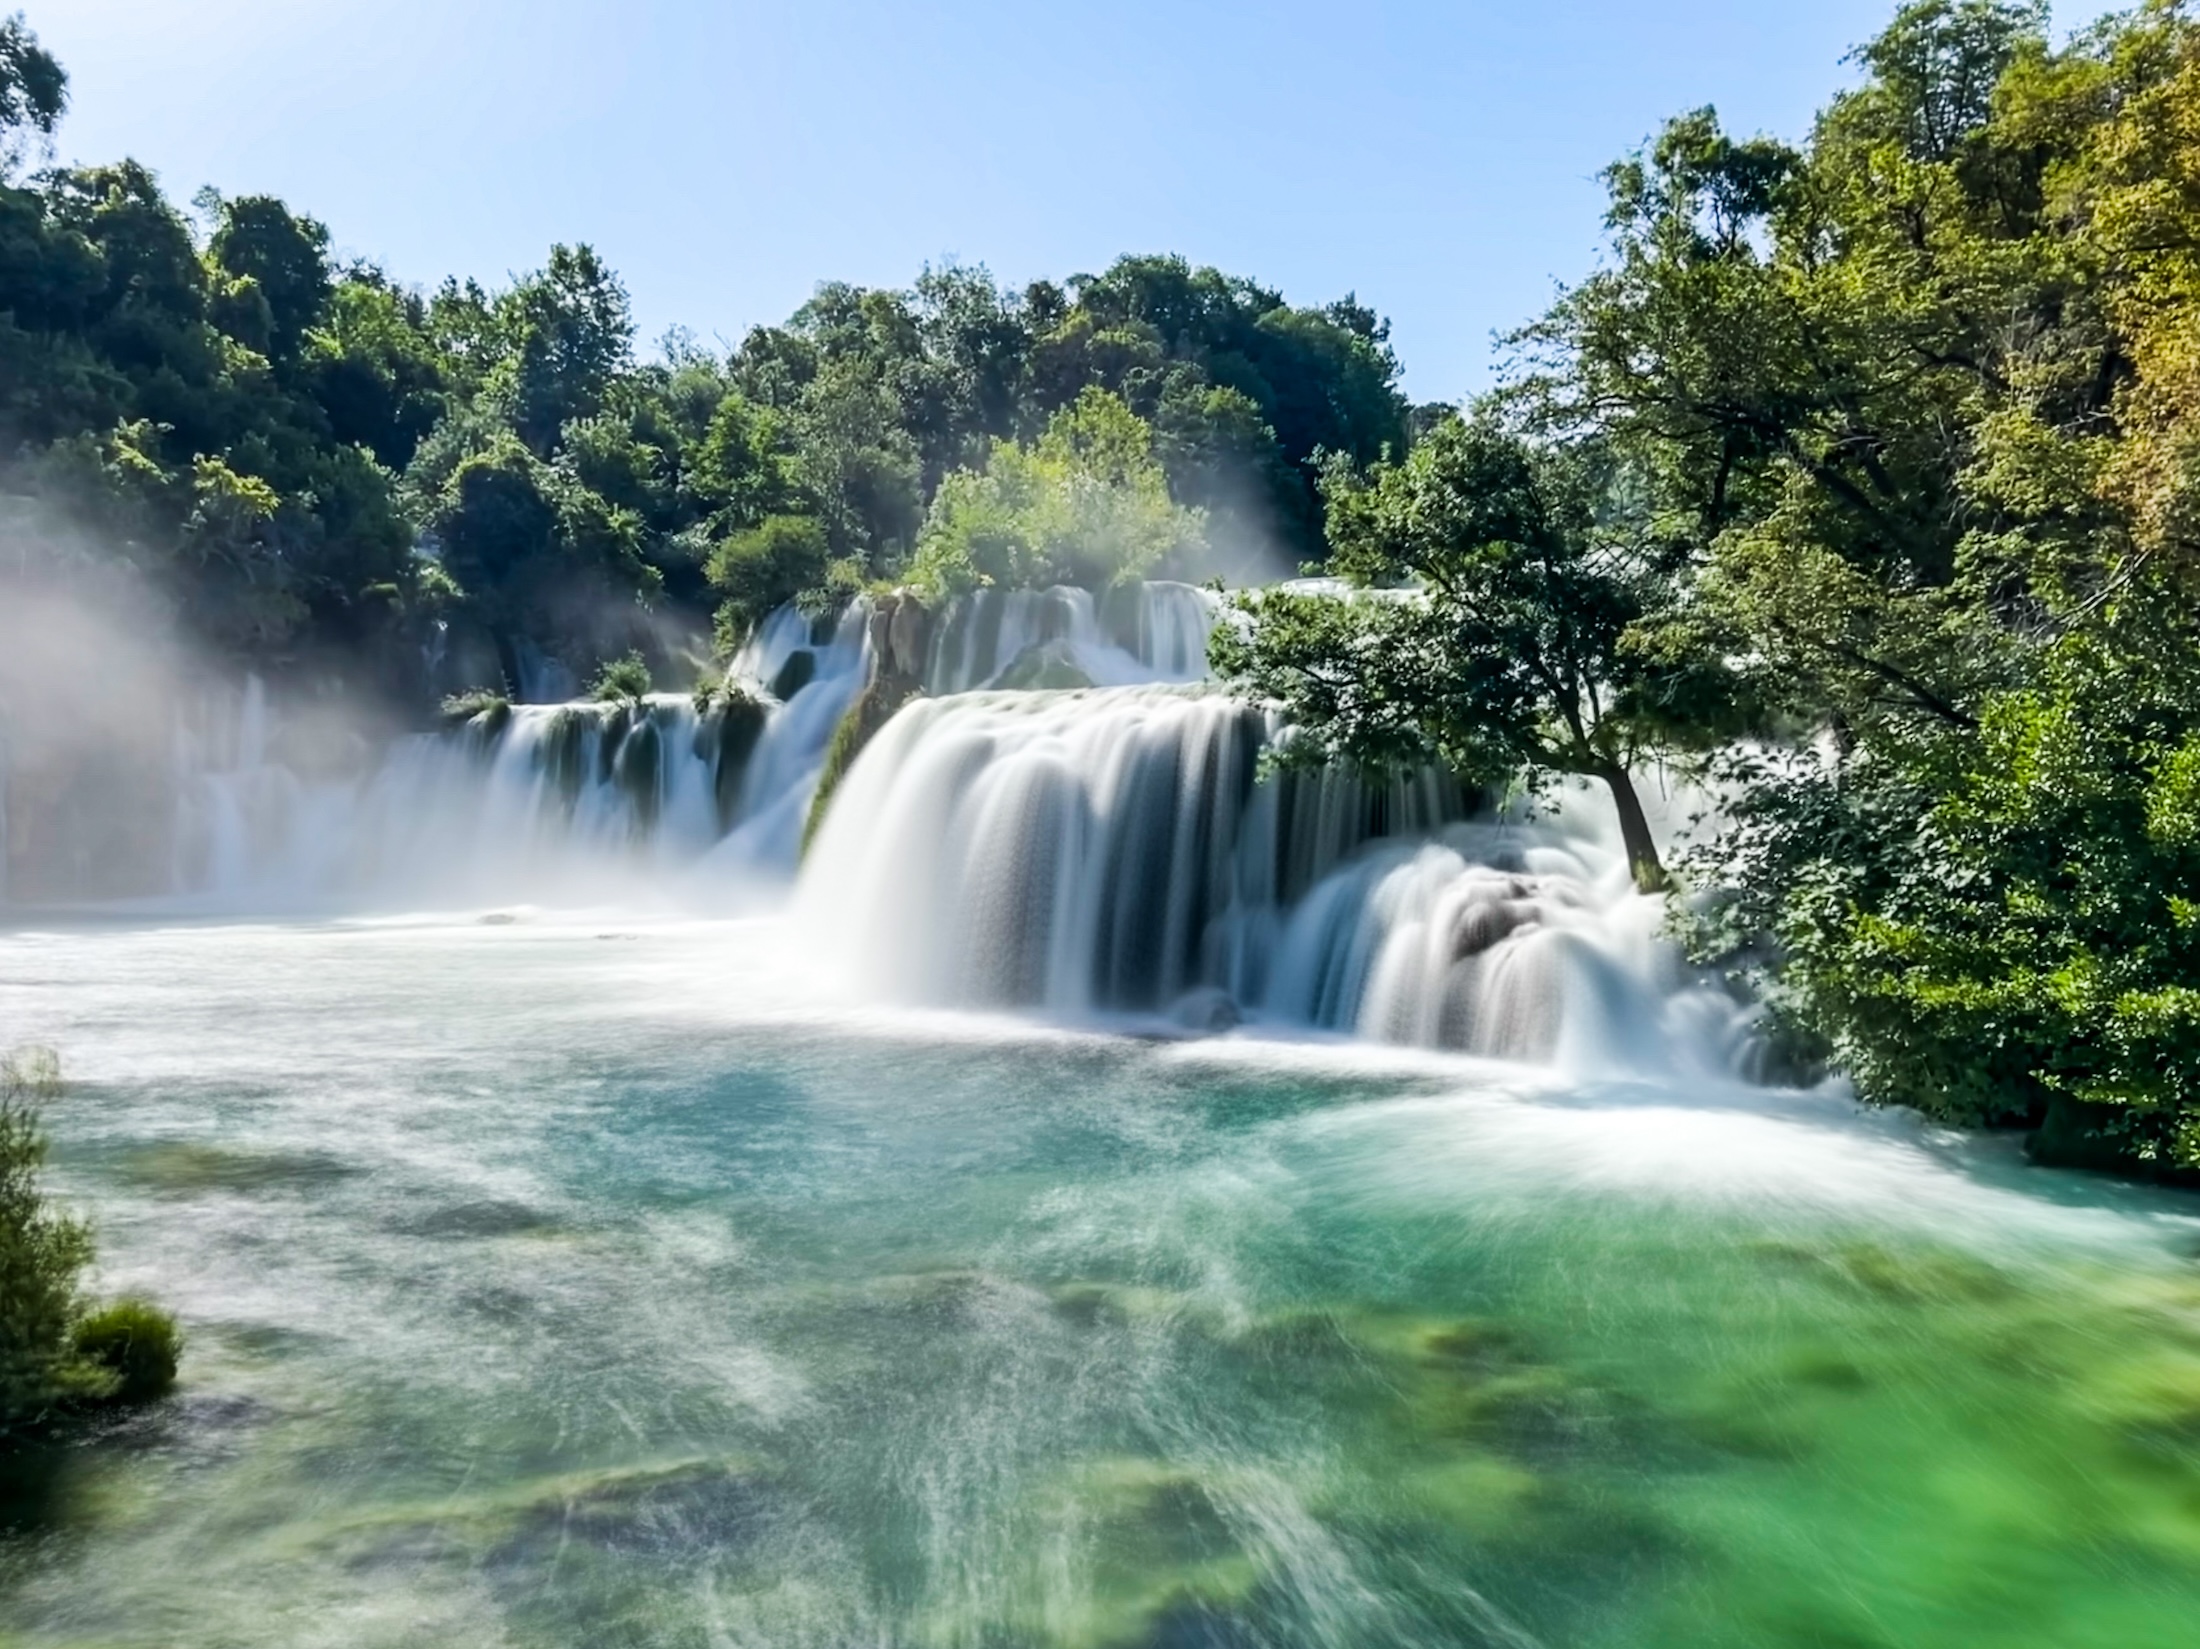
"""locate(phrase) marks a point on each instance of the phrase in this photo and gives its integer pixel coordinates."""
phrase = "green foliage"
(1913, 405)
(310, 461)
(1524, 630)
(1883, 444)
(1088, 504)
(41, 1254)
(622, 680)
(1996, 924)
(278, 265)
(52, 1355)
(33, 92)
(477, 701)
(764, 568)
(717, 689)
(137, 1343)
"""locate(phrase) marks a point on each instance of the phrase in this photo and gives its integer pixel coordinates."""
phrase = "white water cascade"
(1155, 631)
(552, 801)
(527, 801)
(1121, 851)
(1063, 819)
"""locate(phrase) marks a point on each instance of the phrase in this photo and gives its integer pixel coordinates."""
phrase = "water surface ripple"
(571, 1283)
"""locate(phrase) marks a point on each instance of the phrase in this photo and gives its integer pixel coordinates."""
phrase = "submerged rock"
(1045, 665)
(490, 1217)
(1208, 1011)
(189, 1168)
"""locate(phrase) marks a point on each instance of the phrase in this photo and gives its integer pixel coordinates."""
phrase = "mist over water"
(597, 1221)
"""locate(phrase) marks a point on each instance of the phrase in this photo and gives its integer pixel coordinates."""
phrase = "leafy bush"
(477, 701)
(1089, 505)
(41, 1254)
(52, 1355)
(1999, 925)
(767, 566)
(623, 680)
(135, 1342)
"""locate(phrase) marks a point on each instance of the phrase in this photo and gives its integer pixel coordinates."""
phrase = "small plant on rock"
(476, 701)
(622, 681)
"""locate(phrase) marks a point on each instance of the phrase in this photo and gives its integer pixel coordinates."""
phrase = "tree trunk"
(1634, 831)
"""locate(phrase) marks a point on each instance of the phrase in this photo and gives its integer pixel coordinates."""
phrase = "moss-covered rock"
(726, 734)
(874, 707)
(565, 753)
(639, 768)
(900, 633)
(190, 1168)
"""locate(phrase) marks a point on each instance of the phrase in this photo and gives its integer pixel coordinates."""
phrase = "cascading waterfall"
(527, 800)
(1517, 941)
(531, 799)
(1114, 851)
(1156, 631)
(1064, 819)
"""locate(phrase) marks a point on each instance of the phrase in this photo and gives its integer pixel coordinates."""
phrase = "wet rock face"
(794, 675)
(726, 737)
(1044, 665)
(1483, 923)
(900, 635)
(908, 636)
(640, 766)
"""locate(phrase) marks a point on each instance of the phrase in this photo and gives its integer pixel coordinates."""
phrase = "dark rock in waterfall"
(794, 675)
(1044, 665)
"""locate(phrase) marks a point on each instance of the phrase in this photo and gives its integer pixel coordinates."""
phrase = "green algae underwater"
(544, 1290)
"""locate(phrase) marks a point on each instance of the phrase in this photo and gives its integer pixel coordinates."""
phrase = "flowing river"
(1114, 1200)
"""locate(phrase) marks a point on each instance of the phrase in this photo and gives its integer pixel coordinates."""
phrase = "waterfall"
(1153, 631)
(1066, 818)
(1119, 851)
(524, 801)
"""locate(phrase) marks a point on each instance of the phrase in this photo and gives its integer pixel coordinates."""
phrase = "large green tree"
(1087, 504)
(1913, 403)
(1508, 621)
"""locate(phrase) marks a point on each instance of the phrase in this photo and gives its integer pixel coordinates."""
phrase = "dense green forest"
(314, 462)
(1861, 474)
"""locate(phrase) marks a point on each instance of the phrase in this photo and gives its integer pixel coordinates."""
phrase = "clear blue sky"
(1439, 159)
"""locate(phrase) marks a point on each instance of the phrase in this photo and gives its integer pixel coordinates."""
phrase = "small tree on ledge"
(1505, 628)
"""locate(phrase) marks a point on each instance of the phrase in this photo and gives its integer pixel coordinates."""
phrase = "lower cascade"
(1124, 851)
(1062, 817)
